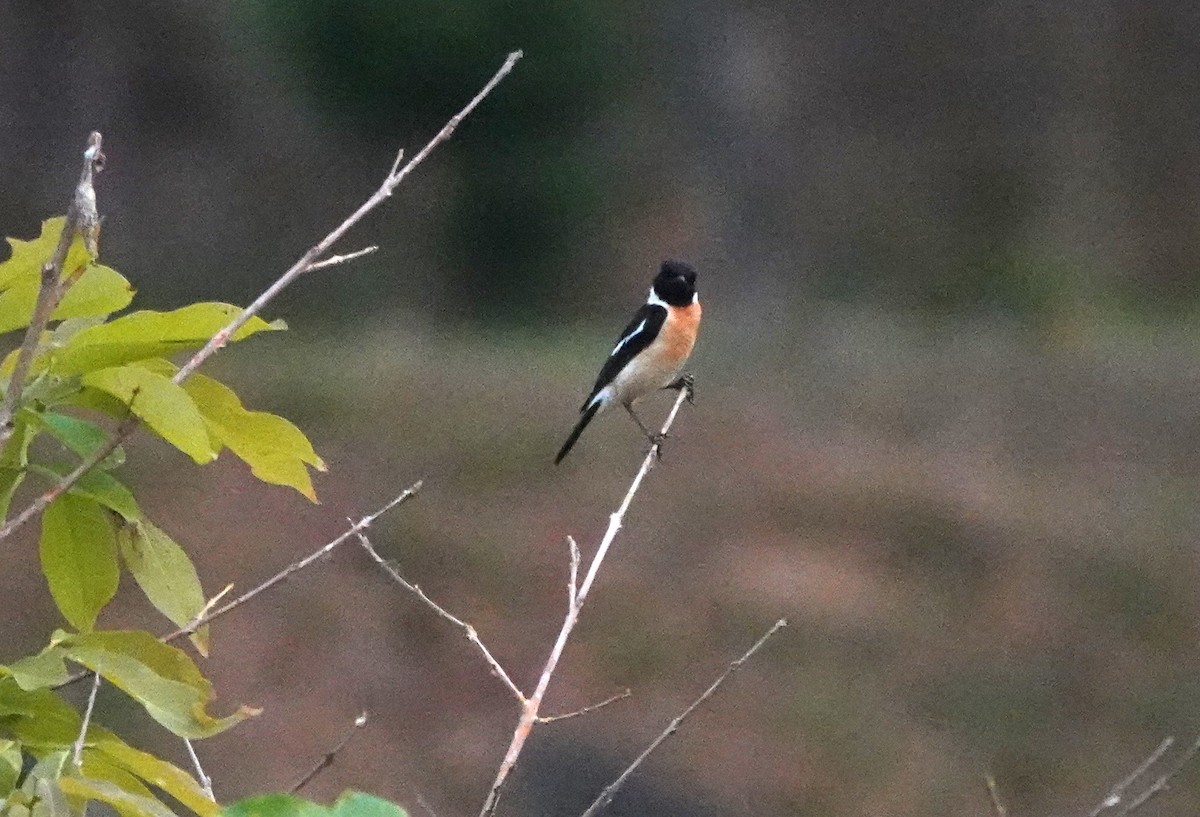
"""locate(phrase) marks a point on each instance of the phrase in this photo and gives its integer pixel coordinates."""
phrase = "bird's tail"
(588, 414)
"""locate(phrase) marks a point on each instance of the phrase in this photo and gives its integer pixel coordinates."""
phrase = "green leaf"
(275, 805)
(276, 451)
(13, 460)
(11, 763)
(125, 802)
(100, 486)
(46, 669)
(158, 676)
(348, 804)
(165, 407)
(79, 558)
(38, 718)
(79, 436)
(158, 773)
(147, 334)
(357, 804)
(166, 575)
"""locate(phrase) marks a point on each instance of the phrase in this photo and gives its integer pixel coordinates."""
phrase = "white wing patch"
(628, 338)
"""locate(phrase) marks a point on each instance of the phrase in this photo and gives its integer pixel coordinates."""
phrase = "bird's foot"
(686, 382)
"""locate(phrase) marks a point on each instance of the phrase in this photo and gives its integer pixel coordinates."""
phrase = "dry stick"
(209, 614)
(81, 217)
(327, 760)
(1113, 798)
(201, 775)
(994, 794)
(611, 789)
(306, 263)
(1162, 783)
(529, 712)
(612, 699)
(467, 629)
(77, 751)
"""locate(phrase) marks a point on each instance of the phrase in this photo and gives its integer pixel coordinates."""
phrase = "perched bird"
(650, 352)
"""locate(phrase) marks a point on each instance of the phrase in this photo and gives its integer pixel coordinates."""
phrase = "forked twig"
(530, 710)
(313, 256)
(327, 759)
(468, 630)
(612, 788)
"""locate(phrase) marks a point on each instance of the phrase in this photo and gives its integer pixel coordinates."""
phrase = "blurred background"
(947, 385)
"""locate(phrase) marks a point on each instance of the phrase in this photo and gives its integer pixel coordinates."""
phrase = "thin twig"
(530, 711)
(612, 788)
(327, 760)
(994, 793)
(303, 265)
(1163, 782)
(334, 260)
(1117, 792)
(77, 752)
(201, 775)
(81, 218)
(467, 629)
(573, 580)
(612, 699)
(213, 614)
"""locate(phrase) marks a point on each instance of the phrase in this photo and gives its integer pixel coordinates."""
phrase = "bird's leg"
(655, 439)
(685, 382)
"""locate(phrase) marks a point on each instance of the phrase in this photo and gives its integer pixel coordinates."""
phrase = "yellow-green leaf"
(79, 558)
(125, 802)
(160, 677)
(46, 669)
(166, 575)
(159, 773)
(28, 256)
(100, 290)
(146, 334)
(11, 764)
(164, 406)
(101, 486)
(38, 718)
(95, 766)
(276, 451)
(348, 804)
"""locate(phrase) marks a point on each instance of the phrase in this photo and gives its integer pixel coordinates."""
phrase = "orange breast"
(683, 324)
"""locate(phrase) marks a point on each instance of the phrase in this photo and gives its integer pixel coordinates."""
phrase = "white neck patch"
(654, 300)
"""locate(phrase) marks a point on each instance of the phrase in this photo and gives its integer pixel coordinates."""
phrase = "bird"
(650, 353)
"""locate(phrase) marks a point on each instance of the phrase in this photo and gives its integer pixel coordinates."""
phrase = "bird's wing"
(639, 334)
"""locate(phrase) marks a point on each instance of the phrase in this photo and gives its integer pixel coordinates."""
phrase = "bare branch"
(994, 793)
(1163, 782)
(612, 699)
(530, 711)
(209, 614)
(77, 751)
(327, 760)
(467, 629)
(1117, 792)
(81, 218)
(334, 260)
(354, 530)
(305, 263)
(201, 775)
(612, 788)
